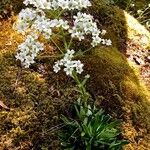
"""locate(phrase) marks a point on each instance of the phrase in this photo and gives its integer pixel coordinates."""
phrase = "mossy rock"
(37, 97)
(117, 88)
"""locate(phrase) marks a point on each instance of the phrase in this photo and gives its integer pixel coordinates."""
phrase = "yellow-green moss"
(112, 19)
(36, 103)
(117, 88)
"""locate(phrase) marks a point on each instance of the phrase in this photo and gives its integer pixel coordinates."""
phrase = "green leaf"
(91, 129)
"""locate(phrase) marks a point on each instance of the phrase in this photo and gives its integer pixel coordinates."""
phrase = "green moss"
(108, 64)
(36, 103)
(116, 87)
(112, 19)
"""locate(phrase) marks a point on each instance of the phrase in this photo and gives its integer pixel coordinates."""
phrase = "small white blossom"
(79, 67)
(42, 25)
(21, 26)
(103, 41)
(68, 70)
(27, 14)
(56, 67)
(96, 41)
(63, 24)
(87, 76)
(69, 55)
(40, 4)
(103, 32)
(108, 42)
(132, 5)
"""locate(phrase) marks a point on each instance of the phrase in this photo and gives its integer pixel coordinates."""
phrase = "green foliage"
(123, 3)
(91, 130)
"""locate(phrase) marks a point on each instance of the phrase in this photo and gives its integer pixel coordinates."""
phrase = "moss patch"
(117, 88)
(36, 98)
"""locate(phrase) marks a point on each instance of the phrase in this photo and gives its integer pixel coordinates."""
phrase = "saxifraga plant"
(91, 130)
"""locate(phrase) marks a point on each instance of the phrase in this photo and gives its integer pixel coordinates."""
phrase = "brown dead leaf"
(3, 105)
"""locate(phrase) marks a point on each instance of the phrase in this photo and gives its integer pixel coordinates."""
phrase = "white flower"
(87, 76)
(54, 23)
(56, 67)
(96, 40)
(42, 25)
(108, 42)
(64, 24)
(139, 11)
(79, 67)
(103, 41)
(68, 71)
(28, 60)
(132, 5)
(103, 32)
(69, 64)
(69, 54)
(40, 4)
(28, 50)
(21, 26)
(27, 14)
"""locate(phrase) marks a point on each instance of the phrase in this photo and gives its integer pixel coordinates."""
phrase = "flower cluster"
(55, 4)
(26, 16)
(39, 23)
(69, 64)
(84, 25)
(45, 26)
(35, 20)
(29, 50)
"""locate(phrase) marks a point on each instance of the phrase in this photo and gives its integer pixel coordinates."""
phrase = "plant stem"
(70, 42)
(143, 13)
(60, 14)
(64, 39)
(84, 93)
(56, 45)
(145, 21)
(87, 50)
